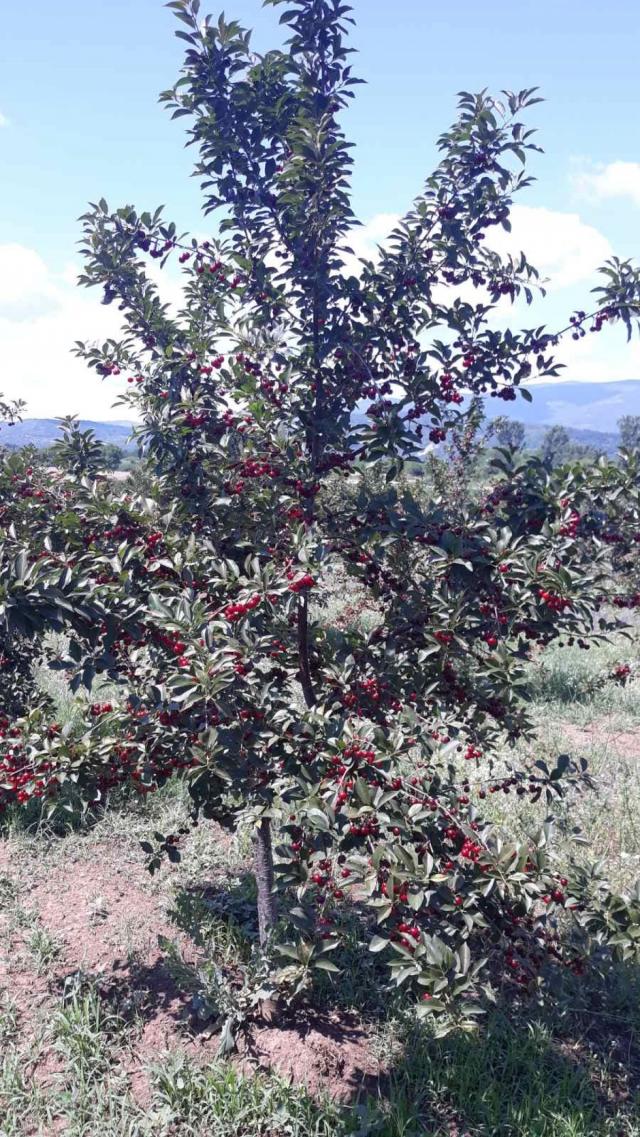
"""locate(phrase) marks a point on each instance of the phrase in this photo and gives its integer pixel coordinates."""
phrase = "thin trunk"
(303, 652)
(263, 870)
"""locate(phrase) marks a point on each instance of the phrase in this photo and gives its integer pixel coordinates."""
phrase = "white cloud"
(599, 357)
(560, 245)
(4, 121)
(615, 180)
(168, 282)
(567, 252)
(41, 315)
(27, 289)
(364, 240)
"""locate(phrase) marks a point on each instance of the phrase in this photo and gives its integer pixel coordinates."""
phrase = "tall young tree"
(507, 432)
(629, 427)
(207, 603)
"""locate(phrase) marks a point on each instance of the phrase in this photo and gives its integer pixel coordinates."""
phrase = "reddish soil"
(106, 918)
(329, 1054)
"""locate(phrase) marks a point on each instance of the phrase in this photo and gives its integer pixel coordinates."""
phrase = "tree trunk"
(263, 869)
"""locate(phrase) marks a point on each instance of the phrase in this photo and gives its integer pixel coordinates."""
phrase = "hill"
(590, 408)
(43, 432)
(588, 411)
(605, 441)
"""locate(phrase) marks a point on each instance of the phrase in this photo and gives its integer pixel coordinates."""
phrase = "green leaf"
(416, 899)
(464, 958)
(378, 943)
(318, 819)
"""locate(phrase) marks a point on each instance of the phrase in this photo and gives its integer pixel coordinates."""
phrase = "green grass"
(601, 725)
(509, 1080)
(222, 1101)
(564, 681)
(44, 948)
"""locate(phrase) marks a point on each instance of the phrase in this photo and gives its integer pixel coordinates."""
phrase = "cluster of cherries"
(570, 527)
(171, 641)
(447, 390)
(367, 696)
(238, 609)
(631, 600)
(579, 318)
(96, 710)
(553, 601)
(301, 583)
(22, 778)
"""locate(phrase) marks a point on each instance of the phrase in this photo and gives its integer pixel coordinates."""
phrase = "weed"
(220, 1100)
(23, 1108)
(9, 1020)
(85, 1032)
(44, 948)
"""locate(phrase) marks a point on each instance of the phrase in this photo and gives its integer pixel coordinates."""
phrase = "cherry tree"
(278, 407)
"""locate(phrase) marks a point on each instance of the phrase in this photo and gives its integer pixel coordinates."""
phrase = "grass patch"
(222, 1101)
(567, 680)
(507, 1081)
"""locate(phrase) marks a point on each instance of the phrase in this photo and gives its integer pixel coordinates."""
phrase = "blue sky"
(78, 99)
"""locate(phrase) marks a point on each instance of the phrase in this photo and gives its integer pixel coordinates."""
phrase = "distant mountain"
(605, 441)
(590, 407)
(43, 432)
(589, 412)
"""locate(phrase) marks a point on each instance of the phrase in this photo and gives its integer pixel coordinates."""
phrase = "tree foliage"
(507, 432)
(629, 427)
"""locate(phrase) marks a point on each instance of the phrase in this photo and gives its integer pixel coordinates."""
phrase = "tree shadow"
(567, 1067)
(198, 907)
(570, 1067)
(138, 992)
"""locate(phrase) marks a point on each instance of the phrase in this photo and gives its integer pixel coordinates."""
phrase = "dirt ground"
(105, 922)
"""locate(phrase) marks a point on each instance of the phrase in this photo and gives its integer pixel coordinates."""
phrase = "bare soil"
(106, 920)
